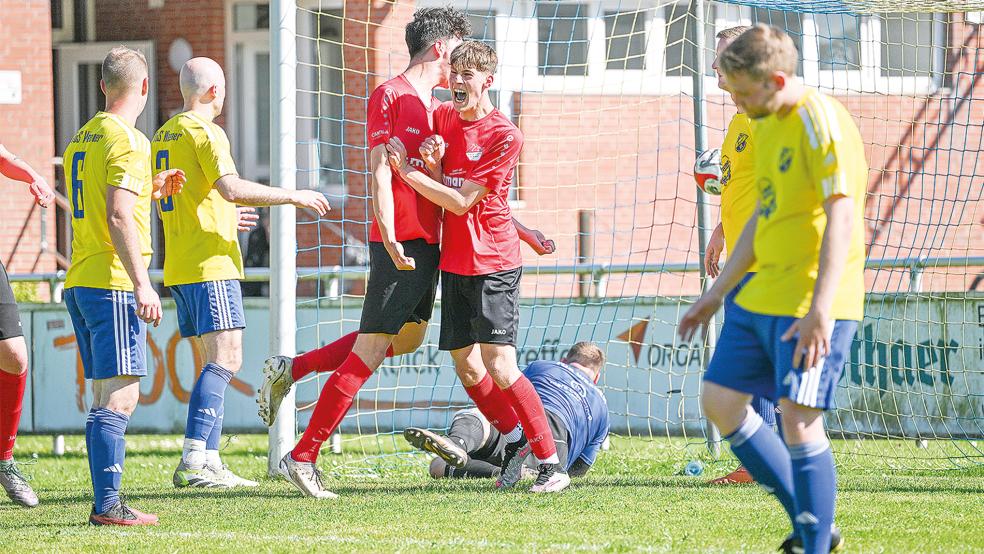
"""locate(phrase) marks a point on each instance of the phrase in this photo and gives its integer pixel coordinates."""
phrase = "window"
(907, 44)
(681, 42)
(625, 39)
(483, 25)
(562, 36)
(838, 42)
(790, 22)
(250, 17)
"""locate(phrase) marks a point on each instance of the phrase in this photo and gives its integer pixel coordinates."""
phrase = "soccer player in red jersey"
(13, 348)
(475, 153)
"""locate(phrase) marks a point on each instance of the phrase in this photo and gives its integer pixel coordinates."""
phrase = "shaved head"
(198, 76)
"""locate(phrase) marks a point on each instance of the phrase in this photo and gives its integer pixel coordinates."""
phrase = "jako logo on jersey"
(474, 152)
(499, 331)
(741, 143)
(785, 159)
(413, 130)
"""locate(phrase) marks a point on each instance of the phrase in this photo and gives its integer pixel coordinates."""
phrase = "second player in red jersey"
(483, 240)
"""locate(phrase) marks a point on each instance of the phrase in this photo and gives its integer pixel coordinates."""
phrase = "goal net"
(615, 99)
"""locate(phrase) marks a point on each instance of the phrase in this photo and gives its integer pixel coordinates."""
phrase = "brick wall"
(27, 130)
(200, 22)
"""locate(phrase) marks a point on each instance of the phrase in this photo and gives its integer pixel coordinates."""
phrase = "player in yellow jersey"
(202, 260)
(738, 198)
(13, 348)
(107, 291)
(790, 333)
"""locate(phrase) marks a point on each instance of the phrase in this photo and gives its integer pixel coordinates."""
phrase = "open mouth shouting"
(459, 96)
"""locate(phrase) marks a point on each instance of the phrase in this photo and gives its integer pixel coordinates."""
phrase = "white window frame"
(516, 39)
(66, 33)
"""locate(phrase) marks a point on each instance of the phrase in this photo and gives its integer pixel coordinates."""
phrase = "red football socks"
(326, 358)
(11, 400)
(493, 404)
(526, 402)
(333, 403)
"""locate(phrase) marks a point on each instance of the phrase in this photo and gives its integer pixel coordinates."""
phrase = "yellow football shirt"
(200, 240)
(738, 178)
(105, 152)
(803, 158)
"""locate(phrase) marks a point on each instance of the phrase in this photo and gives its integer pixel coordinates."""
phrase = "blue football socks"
(106, 455)
(815, 485)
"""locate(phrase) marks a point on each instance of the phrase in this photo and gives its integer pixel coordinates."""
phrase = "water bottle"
(693, 468)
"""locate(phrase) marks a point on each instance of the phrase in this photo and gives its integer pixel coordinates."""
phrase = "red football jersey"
(485, 152)
(395, 110)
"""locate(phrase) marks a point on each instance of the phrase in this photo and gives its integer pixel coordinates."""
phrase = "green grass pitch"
(634, 500)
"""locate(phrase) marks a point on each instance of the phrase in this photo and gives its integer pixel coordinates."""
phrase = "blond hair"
(759, 52)
(587, 354)
(124, 68)
(732, 32)
(473, 54)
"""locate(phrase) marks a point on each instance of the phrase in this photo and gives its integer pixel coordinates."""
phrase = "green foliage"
(633, 501)
(27, 293)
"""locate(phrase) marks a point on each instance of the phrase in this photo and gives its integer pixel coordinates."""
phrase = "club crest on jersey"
(474, 152)
(767, 197)
(725, 170)
(742, 142)
(785, 159)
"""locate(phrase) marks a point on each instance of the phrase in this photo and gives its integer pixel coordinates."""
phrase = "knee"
(469, 374)
(411, 337)
(438, 468)
(16, 364)
(123, 402)
(502, 367)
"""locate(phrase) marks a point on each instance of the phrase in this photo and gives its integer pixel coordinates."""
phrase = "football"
(707, 171)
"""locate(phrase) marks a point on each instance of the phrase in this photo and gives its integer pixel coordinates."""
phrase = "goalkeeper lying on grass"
(576, 410)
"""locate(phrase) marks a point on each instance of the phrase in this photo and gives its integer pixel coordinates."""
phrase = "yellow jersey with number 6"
(803, 158)
(738, 178)
(200, 227)
(105, 152)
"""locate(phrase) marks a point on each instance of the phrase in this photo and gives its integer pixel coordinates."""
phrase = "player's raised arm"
(456, 200)
(240, 191)
(17, 169)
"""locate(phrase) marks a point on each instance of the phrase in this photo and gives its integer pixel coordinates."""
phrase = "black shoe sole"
(428, 441)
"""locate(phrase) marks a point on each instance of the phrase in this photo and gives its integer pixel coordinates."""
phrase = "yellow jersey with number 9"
(200, 227)
(105, 152)
(738, 178)
(803, 158)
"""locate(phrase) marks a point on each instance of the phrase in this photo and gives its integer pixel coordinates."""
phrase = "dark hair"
(430, 25)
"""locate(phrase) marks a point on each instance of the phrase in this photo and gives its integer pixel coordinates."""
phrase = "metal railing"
(332, 276)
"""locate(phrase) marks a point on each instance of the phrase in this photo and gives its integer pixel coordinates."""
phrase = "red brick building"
(27, 130)
(603, 95)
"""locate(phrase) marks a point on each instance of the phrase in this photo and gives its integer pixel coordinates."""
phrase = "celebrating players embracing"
(790, 332)
(473, 159)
